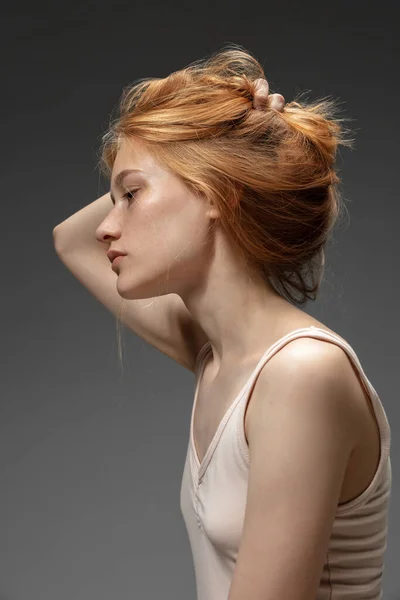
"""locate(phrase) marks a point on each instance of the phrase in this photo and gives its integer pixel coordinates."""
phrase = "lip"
(114, 253)
(117, 260)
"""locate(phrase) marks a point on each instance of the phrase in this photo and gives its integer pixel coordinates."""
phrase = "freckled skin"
(164, 230)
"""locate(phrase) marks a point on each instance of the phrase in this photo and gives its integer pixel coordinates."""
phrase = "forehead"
(132, 154)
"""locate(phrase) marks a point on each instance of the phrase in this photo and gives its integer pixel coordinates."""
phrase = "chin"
(137, 292)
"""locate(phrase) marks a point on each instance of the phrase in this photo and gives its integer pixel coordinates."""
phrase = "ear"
(233, 200)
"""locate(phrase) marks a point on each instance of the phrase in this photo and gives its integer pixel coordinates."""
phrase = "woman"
(222, 200)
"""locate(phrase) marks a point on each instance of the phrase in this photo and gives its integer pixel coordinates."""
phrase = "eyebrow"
(118, 179)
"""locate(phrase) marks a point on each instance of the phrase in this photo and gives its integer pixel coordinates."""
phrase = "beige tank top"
(213, 500)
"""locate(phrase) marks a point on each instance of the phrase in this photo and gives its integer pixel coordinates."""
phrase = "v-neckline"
(202, 465)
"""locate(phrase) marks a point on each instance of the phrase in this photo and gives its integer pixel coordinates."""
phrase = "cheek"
(185, 233)
(167, 230)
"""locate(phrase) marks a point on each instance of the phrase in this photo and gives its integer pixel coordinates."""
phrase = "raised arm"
(164, 322)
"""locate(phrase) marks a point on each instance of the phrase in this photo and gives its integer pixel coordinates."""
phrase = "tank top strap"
(318, 333)
(314, 332)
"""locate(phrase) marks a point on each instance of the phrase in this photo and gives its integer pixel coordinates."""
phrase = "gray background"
(90, 461)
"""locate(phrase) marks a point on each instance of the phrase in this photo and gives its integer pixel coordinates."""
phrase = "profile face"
(158, 223)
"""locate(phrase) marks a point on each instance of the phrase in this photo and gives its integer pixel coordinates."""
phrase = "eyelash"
(130, 193)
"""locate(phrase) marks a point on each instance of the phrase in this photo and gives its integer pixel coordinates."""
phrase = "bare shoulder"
(310, 357)
(308, 370)
(307, 353)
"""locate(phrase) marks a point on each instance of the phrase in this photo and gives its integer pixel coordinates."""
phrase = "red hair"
(271, 174)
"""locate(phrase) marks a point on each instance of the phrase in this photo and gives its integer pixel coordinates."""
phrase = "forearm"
(80, 228)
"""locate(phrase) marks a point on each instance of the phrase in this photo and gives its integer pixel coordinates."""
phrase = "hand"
(261, 97)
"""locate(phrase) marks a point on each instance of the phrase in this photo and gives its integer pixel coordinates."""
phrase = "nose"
(110, 227)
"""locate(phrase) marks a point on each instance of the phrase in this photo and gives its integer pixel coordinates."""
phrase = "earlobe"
(213, 212)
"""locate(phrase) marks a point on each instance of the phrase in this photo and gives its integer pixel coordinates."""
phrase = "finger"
(277, 102)
(260, 95)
